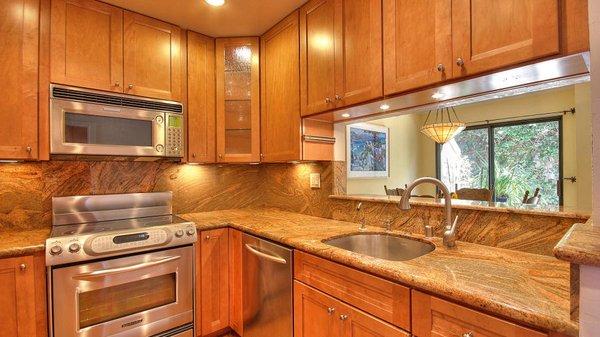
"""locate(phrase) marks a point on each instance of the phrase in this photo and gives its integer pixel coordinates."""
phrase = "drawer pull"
(343, 317)
(468, 334)
(330, 311)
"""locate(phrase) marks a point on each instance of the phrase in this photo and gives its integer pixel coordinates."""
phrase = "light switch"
(315, 180)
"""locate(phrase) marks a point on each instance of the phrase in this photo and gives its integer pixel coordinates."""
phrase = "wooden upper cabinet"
(86, 44)
(417, 39)
(575, 33)
(17, 297)
(214, 280)
(434, 317)
(201, 112)
(151, 60)
(280, 90)
(238, 100)
(490, 34)
(19, 33)
(317, 56)
(358, 48)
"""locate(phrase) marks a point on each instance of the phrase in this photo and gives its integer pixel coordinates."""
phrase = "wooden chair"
(479, 194)
(534, 200)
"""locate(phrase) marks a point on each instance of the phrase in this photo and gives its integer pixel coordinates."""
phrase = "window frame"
(491, 151)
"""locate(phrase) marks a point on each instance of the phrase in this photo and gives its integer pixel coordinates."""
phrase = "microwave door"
(83, 128)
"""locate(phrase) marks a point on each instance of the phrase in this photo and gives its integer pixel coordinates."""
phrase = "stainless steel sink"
(383, 246)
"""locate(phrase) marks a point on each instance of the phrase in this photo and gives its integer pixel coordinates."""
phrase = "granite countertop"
(580, 245)
(558, 211)
(527, 288)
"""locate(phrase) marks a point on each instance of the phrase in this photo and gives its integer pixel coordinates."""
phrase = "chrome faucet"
(450, 230)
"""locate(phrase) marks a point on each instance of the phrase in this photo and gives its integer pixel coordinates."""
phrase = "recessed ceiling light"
(438, 95)
(215, 3)
(384, 107)
(346, 115)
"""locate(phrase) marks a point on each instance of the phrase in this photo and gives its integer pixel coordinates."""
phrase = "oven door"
(92, 129)
(138, 295)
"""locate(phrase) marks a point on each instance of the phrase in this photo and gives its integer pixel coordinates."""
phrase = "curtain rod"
(518, 118)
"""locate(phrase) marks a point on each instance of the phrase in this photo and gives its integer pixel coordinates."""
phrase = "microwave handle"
(119, 270)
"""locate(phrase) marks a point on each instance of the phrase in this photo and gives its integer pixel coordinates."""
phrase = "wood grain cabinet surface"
(201, 114)
(19, 33)
(86, 48)
(17, 297)
(236, 319)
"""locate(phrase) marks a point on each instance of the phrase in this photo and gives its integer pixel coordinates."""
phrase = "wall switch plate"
(315, 180)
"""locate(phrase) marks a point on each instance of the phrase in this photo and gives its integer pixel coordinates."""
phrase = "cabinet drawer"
(378, 297)
(433, 317)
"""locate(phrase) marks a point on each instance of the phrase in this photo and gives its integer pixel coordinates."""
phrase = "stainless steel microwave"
(88, 122)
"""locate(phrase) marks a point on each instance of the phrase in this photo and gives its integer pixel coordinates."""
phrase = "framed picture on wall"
(367, 151)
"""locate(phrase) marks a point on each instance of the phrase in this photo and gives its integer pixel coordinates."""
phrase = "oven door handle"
(119, 270)
(272, 258)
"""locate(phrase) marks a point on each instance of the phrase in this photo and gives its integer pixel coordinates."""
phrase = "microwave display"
(104, 130)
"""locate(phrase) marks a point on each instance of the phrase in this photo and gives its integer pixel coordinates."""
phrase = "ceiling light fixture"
(345, 115)
(216, 3)
(384, 107)
(442, 129)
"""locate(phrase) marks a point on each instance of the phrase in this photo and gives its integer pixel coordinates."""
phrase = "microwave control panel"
(174, 135)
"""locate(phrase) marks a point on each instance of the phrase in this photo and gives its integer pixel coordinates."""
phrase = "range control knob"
(74, 247)
(191, 232)
(179, 233)
(55, 250)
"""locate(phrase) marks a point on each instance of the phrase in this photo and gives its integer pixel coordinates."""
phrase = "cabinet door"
(433, 317)
(201, 112)
(517, 31)
(19, 23)
(413, 50)
(17, 297)
(314, 313)
(238, 100)
(356, 323)
(236, 319)
(86, 44)
(151, 57)
(280, 101)
(317, 57)
(358, 47)
(214, 246)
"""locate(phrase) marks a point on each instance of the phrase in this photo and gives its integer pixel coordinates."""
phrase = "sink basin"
(383, 246)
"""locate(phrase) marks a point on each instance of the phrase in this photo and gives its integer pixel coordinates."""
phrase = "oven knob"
(191, 232)
(159, 119)
(55, 250)
(74, 247)
(179, 233)
(159, 148)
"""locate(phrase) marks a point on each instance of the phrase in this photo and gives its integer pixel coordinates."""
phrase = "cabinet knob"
(117, 84)
(327, 100)
(23, 266)
(193, 155)
(460, 62)
(220, 155)
(468, 334)
(130, 86)
(207, 237)
(441, 68)
(343, 317)
(28, 149)
(338, 97)
(330, 311)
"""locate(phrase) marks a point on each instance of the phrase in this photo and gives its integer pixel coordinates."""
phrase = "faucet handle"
(359, 206)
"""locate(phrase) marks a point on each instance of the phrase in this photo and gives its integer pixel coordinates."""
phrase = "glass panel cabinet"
(238, 123)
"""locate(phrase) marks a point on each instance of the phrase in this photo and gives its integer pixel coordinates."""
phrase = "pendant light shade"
(444, 127)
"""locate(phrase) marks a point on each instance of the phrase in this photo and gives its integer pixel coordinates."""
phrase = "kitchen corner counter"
(527, 288)
(24, 242)
(580, 245)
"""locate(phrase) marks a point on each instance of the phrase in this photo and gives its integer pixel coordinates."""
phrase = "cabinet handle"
(23, 266)
(28, 149)
(343, 317)
(330, 311)
(441, 68)
(193, 155)
(207, 237)
(460, 62)
(468, 334)
(117, 84)
(338, 97)
(220, 155)
(130, 86)
(327, 100)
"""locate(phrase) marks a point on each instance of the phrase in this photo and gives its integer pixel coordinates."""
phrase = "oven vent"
(118, 100)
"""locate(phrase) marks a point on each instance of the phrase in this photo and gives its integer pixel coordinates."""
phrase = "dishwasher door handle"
(272, 258)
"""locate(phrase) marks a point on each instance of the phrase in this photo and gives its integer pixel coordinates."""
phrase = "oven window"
(102, 130)
(106, 304)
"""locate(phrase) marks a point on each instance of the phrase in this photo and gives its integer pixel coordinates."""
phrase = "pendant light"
(443, 128)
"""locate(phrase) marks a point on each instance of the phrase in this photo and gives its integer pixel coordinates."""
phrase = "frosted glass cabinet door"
(238, 128)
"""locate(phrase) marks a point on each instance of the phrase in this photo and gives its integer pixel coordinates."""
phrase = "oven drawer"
(138, 295)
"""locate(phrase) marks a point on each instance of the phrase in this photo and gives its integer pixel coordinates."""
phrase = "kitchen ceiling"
(234, 18)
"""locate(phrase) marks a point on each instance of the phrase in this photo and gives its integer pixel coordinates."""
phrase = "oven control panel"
(61, 250)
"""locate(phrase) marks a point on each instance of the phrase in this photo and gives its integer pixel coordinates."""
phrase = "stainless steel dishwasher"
(267, 288)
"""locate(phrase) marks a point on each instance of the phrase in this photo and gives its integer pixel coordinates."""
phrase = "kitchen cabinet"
(317, 314)
(575, 29)
(340, 53)
(236, 319)
(17, 297)
(435, 317)
(238, 100)
(280, 89)
(151, 57)
(19, 29)
(518, 31)
(201, 114)
(212, 281)
(86, 48)
(417, 43)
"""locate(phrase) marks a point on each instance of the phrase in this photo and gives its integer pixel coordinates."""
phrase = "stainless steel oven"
(138, 295)
(90, 122)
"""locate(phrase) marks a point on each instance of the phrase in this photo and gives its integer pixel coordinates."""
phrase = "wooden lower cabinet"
(319, 315)
(434, 317)
(236, 319)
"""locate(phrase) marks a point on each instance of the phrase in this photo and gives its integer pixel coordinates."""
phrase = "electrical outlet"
(315, 180)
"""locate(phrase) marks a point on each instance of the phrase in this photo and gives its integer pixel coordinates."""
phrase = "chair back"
(534, 200)
(478, 194)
